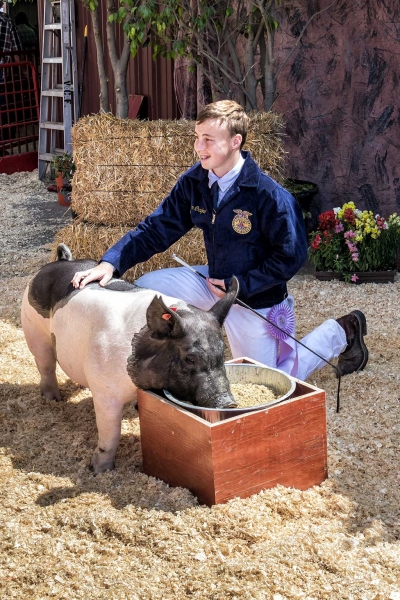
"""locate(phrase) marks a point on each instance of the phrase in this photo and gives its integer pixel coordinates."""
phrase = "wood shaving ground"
(252, 394)
(66, 534)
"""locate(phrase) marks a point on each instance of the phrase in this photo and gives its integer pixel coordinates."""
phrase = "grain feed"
(252, 394)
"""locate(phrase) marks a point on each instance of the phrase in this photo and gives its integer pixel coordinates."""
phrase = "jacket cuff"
(116, 272)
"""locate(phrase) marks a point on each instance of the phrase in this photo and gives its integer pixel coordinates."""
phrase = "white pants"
(248, 335)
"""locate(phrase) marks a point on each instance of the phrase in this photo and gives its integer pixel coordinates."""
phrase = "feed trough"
(284, 443)
(282, 385)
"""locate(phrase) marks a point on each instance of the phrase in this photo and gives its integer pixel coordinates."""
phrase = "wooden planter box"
(285, 444)
(363, 276)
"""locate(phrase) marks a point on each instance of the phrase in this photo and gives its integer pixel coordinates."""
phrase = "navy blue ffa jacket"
(257, 232)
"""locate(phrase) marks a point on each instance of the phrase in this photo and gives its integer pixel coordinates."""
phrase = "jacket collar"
(249, 176)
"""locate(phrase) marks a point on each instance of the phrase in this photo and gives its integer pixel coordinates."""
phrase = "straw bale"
(86, 240)
(126, 167)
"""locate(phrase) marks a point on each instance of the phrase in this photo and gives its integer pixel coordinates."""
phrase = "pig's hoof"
(102, 461)
(50, 393)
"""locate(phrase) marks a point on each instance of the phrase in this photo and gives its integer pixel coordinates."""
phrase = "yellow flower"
(348, 205)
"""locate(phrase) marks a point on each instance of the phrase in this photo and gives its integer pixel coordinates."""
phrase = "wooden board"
(176, 446)
(16, 163)
(285, 444)
(135, 105)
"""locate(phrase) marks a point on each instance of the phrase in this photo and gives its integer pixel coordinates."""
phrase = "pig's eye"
(189, 360)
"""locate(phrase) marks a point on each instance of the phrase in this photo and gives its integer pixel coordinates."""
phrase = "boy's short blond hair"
(229, 113)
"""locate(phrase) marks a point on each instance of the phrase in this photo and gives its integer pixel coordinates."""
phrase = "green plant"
(296, 187)
(64, 165)
(349, 240)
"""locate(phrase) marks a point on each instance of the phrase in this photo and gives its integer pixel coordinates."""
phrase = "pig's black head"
(183, 351)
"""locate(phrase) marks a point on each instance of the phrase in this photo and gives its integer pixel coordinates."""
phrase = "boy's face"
(217, 149)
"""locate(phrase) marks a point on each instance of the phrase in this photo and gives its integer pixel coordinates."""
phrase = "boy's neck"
(225, 168)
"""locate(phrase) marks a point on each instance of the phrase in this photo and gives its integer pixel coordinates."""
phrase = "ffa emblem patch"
(241, 223)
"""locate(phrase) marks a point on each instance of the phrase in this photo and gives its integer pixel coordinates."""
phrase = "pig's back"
(92, 332)
(52, 284)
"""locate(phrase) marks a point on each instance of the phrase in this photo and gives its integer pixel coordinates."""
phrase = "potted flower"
(355, 245)
(64, 168)
(304, 192)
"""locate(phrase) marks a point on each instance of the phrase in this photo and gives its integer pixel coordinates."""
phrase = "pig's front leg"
(108, 418)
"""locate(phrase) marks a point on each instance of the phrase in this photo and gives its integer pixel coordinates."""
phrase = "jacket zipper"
(214, 215)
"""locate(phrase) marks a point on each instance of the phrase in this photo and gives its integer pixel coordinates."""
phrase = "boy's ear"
(237, 140)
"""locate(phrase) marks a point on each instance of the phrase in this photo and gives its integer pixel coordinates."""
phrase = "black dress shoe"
(355, 356)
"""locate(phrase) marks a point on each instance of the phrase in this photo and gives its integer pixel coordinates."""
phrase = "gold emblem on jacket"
(241, 223)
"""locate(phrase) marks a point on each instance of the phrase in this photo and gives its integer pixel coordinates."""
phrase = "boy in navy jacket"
(253, 229)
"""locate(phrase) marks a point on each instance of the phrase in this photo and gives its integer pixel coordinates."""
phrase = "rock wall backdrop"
(339, 94)
(340, 97)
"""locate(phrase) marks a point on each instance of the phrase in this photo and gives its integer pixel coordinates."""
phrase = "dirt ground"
(123, 535)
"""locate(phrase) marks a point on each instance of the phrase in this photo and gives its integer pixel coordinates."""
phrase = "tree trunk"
(269, 80)
(269, 98)
(103, 78)
(250, 78)
(121, 94)
(119, 65)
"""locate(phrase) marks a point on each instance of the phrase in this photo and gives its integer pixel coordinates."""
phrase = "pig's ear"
(222, 307)
(163, 321)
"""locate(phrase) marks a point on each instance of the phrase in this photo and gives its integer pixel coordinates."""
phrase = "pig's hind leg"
(46, 364)
(40, 345)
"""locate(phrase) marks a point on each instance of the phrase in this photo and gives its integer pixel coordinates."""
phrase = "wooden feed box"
(285, 444)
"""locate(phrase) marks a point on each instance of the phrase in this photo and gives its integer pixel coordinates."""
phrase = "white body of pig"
(91, 339)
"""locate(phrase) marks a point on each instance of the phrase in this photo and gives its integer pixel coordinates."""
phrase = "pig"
(121, 337)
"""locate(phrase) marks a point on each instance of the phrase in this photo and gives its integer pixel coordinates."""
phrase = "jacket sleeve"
(156, 233)
(283, 229)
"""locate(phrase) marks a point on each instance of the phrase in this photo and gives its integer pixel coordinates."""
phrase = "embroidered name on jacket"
(198, 209)
(241, 222)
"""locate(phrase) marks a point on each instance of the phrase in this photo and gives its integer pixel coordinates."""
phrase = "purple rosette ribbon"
(282, 316)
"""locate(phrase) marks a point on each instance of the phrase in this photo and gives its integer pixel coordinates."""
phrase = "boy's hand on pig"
(103, 272)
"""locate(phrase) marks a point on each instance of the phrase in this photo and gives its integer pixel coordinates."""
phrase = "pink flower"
(354, 277)
(339, 227)
(354, 257)
(351, 247)
(349, 234)
(381, 223)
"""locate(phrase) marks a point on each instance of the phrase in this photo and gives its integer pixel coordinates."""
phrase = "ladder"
(59, 89)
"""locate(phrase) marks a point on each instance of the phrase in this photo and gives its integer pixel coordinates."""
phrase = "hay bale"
(87, 240)
(126, 167)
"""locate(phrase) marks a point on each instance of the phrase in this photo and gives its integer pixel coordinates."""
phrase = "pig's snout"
(226, 401)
